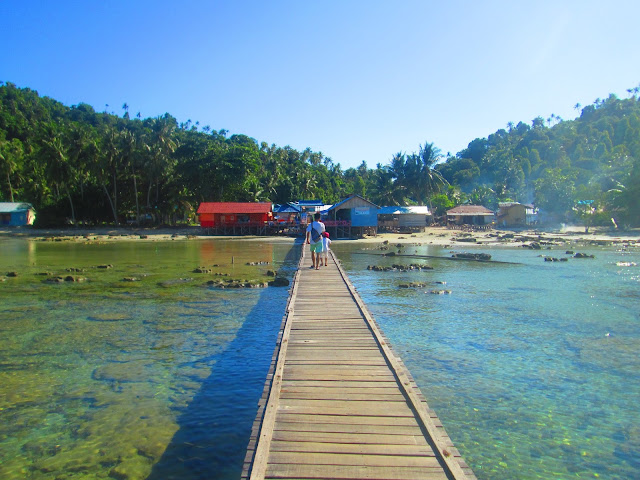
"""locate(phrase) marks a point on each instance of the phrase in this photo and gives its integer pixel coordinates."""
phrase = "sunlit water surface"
(533, 367)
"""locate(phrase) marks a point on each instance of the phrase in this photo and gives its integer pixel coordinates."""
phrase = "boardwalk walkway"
(338, 403)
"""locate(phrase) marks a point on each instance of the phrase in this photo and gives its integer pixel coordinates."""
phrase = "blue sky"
(355, 80)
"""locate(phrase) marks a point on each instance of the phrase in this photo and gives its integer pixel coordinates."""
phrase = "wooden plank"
(350, 408)
(369, 371)
(353, 362)
(349, 438)
(330, 376)
(355, 472)
(293, 417)
(327, 394)
(338, 384)
(361, 449)
(411, 430)
(324, 458)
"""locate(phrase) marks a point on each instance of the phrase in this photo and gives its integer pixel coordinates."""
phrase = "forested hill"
(73, 163)
(555, 164)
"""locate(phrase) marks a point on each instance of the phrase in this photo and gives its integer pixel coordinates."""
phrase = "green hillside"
(78, 165)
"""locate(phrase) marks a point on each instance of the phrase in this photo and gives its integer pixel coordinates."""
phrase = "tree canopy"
(75, 164)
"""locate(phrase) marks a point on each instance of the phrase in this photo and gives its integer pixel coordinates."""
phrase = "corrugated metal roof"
(310, 203)
(287, 208)
(8, 207)
(469, 210)
(234, 207)
(412, 209)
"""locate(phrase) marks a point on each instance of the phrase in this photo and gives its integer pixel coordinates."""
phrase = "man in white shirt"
(314, 238)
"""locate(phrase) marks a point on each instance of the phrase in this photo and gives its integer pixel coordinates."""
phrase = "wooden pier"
(338, 403)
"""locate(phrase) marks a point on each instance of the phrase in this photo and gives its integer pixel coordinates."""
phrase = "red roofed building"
(231, 214)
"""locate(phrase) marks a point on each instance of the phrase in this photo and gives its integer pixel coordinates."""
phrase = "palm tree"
(10, 157)
(105, 169)
(161, 145)
(60, 169)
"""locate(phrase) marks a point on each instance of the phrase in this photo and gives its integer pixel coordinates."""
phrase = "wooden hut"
(516, 214)
(353, 216)
(231, 218)
(474, 215)
(403, 219)
(15, 214)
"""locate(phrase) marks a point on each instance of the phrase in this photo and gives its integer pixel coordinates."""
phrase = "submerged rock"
(583, 255)
(399, 268)
(412, 285)
(71, 278)
(472, 256)
(124, 372)
(279, 282)
(202, 270)
(236, 284)
(56, 279)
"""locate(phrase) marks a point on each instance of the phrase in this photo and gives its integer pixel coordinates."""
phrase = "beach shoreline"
(436, 236)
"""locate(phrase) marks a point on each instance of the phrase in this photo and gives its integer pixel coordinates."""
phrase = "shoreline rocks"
(399, 268)
(482, 257)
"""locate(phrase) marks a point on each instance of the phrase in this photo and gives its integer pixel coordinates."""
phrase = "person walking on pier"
(326, 241)
(314, 239)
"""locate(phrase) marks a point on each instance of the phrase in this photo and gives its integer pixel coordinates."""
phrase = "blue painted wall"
(364, 217)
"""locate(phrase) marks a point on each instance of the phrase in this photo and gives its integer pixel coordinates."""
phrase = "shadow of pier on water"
(215, 428)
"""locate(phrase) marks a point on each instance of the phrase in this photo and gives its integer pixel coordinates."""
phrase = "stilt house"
(230, 218)
(353, 216)
(403, 219)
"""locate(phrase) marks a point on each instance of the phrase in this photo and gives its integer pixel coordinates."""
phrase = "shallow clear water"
(534, 368)
(154, 378)
(160, 378)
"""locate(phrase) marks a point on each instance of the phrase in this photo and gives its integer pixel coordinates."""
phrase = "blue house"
(287, 212)
(353, 216)
(15, 214)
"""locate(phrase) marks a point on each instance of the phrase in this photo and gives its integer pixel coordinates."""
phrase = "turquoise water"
(154, 378)
(533, 368)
